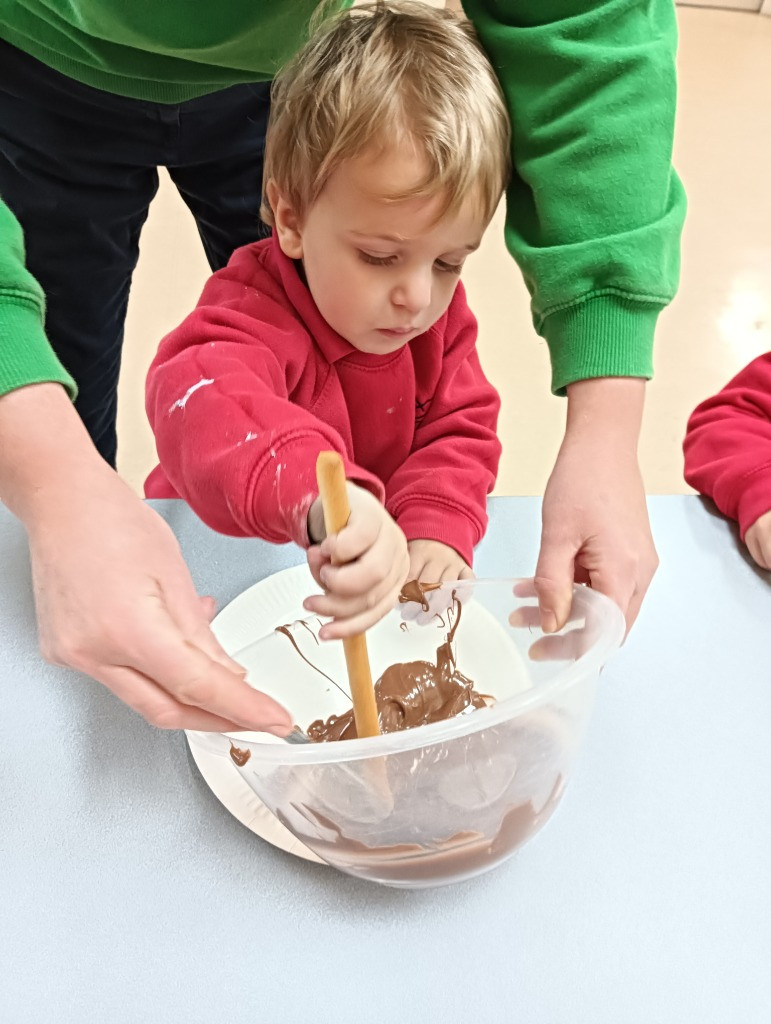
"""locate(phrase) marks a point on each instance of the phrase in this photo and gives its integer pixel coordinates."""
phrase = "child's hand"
(371, 563)
(758, 540)
(433, 562)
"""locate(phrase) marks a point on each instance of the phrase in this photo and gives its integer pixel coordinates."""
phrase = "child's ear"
(286, 221)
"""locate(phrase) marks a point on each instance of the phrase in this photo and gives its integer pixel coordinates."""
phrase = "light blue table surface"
(128, 893)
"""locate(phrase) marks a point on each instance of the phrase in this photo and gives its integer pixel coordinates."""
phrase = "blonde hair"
(381, 74)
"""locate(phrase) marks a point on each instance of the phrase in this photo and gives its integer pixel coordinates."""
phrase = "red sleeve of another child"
(728, 445)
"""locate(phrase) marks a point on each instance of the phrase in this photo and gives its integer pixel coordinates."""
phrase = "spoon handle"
(330, 475)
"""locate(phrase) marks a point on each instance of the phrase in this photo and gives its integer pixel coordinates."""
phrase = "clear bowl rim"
(276, 752)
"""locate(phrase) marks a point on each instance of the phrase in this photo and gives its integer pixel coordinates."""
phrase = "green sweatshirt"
(594, 207)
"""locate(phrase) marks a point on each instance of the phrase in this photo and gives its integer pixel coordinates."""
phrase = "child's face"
(380, 272)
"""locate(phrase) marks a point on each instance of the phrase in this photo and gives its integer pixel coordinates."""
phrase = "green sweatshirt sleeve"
(594, 209)
(25, 354)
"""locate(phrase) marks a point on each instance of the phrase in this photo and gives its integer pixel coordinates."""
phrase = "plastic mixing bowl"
(446, 801)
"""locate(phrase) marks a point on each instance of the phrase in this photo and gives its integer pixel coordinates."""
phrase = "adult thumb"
(554, 585)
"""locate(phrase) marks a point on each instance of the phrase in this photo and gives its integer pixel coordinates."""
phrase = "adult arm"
(113, 596)
(112, 593)
(593, 219)
(26, 357)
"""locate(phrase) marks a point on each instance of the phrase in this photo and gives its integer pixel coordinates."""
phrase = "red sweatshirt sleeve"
(440, 491)
(229, 439)
(728, 445)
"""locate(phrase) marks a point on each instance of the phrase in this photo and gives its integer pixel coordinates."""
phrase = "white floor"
(719, 321)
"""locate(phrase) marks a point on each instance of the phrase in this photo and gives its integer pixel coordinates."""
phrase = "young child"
(386, 156)
(728, 454)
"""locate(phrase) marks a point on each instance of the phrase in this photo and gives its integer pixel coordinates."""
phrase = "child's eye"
(449, 268)
(376, 261)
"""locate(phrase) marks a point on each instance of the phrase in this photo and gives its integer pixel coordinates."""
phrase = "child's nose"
(413, 292)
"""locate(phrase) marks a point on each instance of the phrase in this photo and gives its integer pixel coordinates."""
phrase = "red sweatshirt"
(254, 384)
(728, 445)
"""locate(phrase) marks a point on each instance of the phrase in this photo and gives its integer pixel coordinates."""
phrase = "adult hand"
(758, 540)
(114, 598)
(361, 568)
(595, 520)
(434, 562)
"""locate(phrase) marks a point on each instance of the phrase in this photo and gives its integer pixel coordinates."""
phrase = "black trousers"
(78, 168)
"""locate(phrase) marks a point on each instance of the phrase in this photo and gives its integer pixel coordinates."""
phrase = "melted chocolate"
(287, 632)
(416, 591)
(239, 756)
(460, 855)
(453, 808)
(411, 694)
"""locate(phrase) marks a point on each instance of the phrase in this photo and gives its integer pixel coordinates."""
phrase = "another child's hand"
(434, 562)
(758, 540)
(370, 565)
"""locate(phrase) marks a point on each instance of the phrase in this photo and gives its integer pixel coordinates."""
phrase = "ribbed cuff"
(606, 335)
(424, 521)
(25, 354)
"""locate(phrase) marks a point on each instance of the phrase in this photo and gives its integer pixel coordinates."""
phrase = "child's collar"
(332, 344)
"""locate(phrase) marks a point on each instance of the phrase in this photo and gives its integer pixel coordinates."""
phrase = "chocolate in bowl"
(479, 773)
(414, 693)
(506, 796)
(444, 801)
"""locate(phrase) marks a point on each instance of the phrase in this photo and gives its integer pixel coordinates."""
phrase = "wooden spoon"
(330, 476)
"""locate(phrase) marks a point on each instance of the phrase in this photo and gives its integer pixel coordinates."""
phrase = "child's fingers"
(333, 606)
(443, 566)
(442, 569)
(344, 605)
(367, 605)
(316, 562)
(353, 540)
(758, 552)
(343, 627)
(418, 568)
(432, 562)
(379, 564)
(431, 571)
(758, 541)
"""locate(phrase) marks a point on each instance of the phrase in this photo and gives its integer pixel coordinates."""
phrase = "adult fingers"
(633, 609)
(553, 583)
(191, 614)
(160, 708)
(524, 588)
(529, 617)
(567, 646)
(192, 677)
(624, 576)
